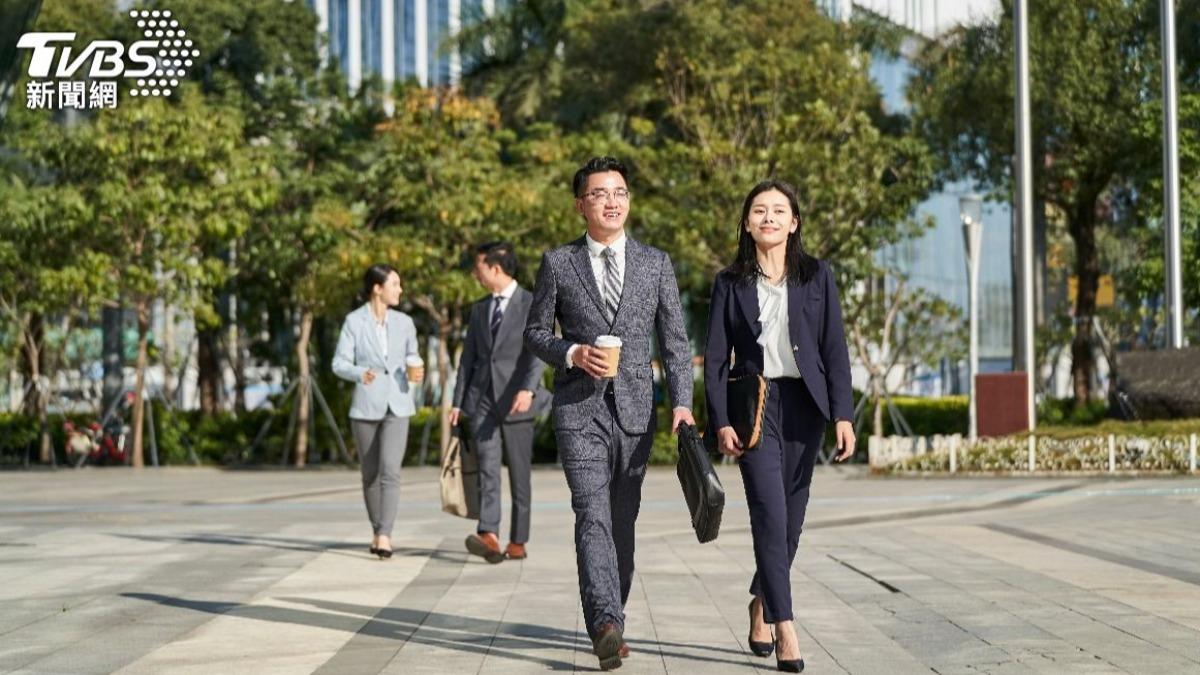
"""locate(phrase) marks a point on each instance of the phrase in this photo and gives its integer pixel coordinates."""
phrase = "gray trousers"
(381, 446)
(513, 440)
(605, 468)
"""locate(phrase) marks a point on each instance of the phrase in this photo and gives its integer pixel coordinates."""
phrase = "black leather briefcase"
(701, 487)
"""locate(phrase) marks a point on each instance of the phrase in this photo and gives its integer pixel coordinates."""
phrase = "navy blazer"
(817, 334)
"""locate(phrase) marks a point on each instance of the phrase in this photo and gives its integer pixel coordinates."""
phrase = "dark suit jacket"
(566, 290)
(493, 371)
(816, 331)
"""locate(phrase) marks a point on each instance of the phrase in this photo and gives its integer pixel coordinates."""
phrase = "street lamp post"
(1023, 202)
(970, 209)
(1171, 180)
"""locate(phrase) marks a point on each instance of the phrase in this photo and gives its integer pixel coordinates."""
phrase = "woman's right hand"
(368, 376)
(728, 442)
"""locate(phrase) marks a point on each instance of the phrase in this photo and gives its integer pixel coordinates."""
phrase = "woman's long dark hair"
(376, 275)
(801, 267)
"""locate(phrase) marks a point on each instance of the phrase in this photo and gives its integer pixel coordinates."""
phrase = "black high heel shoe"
(758, 648)
(790, 665)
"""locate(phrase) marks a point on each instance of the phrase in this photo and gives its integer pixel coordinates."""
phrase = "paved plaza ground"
(209, 571)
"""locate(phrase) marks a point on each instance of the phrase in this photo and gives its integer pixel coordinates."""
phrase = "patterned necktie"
(497, 314)
(612, 283)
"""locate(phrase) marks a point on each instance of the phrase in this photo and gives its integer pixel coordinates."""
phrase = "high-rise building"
(935, 262)
(397, 39)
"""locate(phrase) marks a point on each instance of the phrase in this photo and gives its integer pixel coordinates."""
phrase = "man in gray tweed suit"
(606, 283)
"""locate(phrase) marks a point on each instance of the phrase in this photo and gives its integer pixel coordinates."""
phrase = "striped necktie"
(497, 314)
(612, 283)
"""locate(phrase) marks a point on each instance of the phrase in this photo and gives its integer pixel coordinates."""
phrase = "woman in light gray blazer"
(373, 349)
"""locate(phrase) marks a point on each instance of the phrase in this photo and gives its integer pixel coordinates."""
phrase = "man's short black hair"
(597, 165)
(499, 253)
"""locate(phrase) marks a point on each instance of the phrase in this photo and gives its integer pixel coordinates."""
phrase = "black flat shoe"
(790, 666)
(373, 550)
(758, 648)
(383, 553)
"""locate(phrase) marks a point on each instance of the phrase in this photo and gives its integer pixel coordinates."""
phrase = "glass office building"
(936, 261)
(397, 39)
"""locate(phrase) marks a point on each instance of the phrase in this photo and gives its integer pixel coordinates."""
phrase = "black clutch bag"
(745, 399)
(701, 487)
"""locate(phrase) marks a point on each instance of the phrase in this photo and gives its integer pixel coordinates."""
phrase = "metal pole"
(972, 232)
(1024, 198)
(1171, 180)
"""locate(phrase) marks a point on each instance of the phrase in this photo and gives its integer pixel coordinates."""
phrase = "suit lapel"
(635, 279)
(581, 259)
(747, 300)
(514, 305)
(393, 336)
(797, 295)
(485, 318)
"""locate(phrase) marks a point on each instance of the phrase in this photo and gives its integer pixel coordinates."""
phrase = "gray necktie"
(612, 283)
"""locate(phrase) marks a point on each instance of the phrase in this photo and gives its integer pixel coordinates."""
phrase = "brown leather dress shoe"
(608, 646)
(515, 551)
(486, 546)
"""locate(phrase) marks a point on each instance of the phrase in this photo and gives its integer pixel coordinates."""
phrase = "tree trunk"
(1087, 274)
(880, 401)
(34, 338)
(237, 361)
(168, 352)
(302, 393)
(139, 400)
(209, 371)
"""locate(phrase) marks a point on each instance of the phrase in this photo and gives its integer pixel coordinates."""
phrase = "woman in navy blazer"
(775, 313)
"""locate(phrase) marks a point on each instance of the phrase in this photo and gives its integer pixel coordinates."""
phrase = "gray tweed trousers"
(605, 467)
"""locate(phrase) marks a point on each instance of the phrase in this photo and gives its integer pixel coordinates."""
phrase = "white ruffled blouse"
(776, 342)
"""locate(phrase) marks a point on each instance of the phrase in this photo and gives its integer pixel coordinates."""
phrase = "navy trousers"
(777, 475)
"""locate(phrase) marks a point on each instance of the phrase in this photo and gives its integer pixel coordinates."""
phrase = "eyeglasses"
(601, 195)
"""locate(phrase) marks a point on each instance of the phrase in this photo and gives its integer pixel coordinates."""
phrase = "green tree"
(718, 97)
(262, 59)
(318, 160)
(449, 176)
(1093, 67)
(153, 173)
(46, 266)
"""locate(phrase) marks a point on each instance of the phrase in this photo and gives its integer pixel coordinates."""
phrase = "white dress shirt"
(776, 341)
(381, 333)
(505, 296)
(595, 249)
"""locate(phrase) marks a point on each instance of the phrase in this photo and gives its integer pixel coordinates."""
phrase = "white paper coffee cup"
(611, 346)
(413, 366)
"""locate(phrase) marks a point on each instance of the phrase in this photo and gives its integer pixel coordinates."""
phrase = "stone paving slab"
(209, 571)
